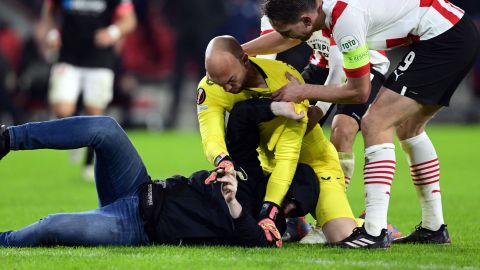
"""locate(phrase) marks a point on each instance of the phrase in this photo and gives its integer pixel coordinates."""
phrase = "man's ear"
(244, 58)
(306, 20)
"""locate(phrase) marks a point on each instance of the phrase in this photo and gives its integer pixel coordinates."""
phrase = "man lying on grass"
(133, 210)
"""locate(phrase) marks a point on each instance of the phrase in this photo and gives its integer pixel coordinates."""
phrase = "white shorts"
(66, 82)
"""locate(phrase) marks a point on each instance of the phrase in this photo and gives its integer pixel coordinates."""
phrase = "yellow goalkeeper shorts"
(321, 155)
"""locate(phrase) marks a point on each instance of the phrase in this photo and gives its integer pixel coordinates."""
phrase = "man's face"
(231, 78)
(299, 30)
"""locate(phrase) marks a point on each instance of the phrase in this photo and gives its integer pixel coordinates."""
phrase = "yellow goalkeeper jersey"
(282, 141)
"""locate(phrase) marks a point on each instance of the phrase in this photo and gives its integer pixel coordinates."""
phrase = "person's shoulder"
(208, 85)
(276, 69)
(211, 94)
(346, 13)
(329, 5)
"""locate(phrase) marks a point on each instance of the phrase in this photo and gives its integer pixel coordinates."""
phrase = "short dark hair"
(287, 11)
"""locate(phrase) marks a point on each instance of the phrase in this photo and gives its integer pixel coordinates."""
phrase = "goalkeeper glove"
(223, 164)
(268, 215)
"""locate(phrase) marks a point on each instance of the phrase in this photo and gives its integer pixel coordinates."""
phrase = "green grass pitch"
(36, 183)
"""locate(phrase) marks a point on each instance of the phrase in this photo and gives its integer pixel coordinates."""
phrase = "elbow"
(362, 95)
(359, 88)
(362, 98)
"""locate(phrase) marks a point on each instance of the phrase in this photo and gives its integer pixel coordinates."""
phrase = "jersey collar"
(257, 64)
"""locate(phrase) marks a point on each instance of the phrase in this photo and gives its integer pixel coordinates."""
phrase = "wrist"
(53, 34)
(114, 32)
(303, 92)
(269, 210)
(221, 158)
(235, 208)
(274, 107)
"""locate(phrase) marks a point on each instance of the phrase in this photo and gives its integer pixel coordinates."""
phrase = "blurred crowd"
(166, 50)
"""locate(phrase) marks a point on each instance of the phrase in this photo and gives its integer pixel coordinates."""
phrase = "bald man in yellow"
(231, 77)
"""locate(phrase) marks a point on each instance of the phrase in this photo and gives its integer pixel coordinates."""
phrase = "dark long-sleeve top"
(184, 210)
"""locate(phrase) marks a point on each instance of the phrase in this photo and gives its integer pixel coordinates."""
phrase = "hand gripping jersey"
(283, 143)
(361, 25)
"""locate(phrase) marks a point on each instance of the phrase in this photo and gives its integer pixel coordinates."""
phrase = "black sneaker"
(4, 141)
(361, 239)
(425, 236)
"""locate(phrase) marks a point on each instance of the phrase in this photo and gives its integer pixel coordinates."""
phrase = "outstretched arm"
(350, 35)
(354, 91)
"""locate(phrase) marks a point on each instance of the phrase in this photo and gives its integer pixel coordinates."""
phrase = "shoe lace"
(418, 227)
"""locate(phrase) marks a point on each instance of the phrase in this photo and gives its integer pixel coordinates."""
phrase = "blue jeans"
(119, 172)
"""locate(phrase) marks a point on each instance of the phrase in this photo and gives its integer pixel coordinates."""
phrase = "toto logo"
(349, 43)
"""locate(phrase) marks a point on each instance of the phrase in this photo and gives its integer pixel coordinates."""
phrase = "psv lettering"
(320, 47)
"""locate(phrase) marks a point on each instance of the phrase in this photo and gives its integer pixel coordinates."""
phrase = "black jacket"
(181, 210)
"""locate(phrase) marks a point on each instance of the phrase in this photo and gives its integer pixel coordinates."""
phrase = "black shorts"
(315, 75)
(356, 111)
(431, 71)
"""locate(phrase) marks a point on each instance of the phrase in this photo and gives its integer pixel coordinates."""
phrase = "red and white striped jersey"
(383, 25)
(265, 26)
(321, 41)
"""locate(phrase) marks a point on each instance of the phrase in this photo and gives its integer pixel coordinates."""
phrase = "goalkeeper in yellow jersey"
(232, 76)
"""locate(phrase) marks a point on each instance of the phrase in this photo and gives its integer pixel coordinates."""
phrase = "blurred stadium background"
(159, 64)
(157, 70)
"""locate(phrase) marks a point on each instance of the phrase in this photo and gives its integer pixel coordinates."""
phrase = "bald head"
(221, 53)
